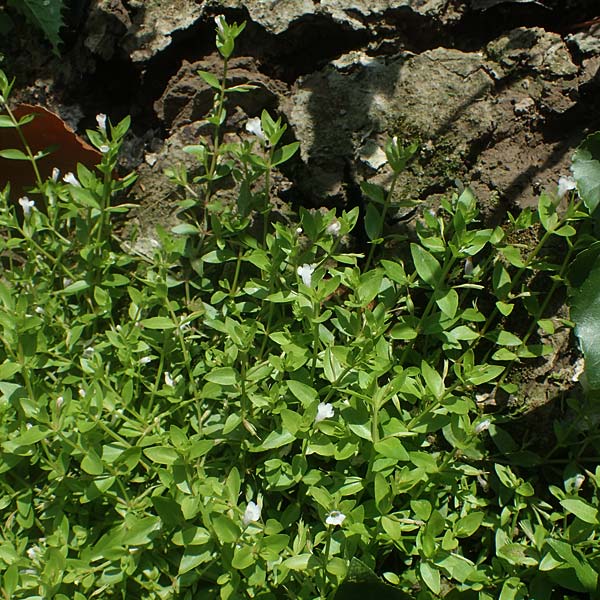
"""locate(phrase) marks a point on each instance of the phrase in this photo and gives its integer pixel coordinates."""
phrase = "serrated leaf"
(586, 171)
(43, 14)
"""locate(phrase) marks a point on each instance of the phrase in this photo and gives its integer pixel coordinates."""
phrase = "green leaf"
(391, 447)
(92, 464)
(242, 557)
(448, 303)
(431, 577)
(466, 526)
(426, 265)
(304, 393)
(372, 222)
(373, 192)
(586, 171)
(223, 376)
(185, 229)
(433, 380)
(283, 154)
(193, 557)
(581, 509)
(13, 154)
(275, 439)
(76, 287)
(157, 323)
(369, 285)
(163, 455)
(585, 312)
(547, 213)
(6, 121)
(227, 531)
(211, 79)
(43, 14)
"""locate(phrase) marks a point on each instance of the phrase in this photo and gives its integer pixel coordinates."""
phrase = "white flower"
(55, 174)
(468, 266)
(578, 481)
(306, 272)
(578, 369)
(26, 205)
(565, 184)
(168, 379)
(67, 281)
(254, 127)
(220, 23)
(334, 228)
(104, 148)
(70, 178)
(251, 514)
(324, 411)
(88, 351)
(59, 402)
(39, 310)
(482, 426)
(81, 393)
(101, 120)
(145, 360)
(298, 230)
(335, 517)
(34, 552)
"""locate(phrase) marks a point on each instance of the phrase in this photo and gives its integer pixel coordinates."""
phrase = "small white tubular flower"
(482, 426)
(468, 266)
(101, 120)
(82, 393)
(59, 402)
(168, 379)
(70, 178)
(251, 514)
(324, 411)
(334, 228)
(298, 230)
(254, 127)
(145, 360)
(335, 517)
(55, 174)
(565, 184)
(34, 553)
(220, 23)
(306, 272)
(578, 481)
(104, 148)
(578, 369)
(26, 205)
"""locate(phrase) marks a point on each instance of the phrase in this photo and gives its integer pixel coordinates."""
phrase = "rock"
(276, 16)
(188, 97)
(105, 27)
(532, 49)
(439, 95)
(154, 22)
(586, 42)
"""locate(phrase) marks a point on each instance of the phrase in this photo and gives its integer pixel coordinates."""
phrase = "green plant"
(257, 412)
(45, 15)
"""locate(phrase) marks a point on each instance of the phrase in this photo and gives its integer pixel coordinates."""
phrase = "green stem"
(386, 206)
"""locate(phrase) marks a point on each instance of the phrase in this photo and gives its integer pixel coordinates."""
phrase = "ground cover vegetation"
(252, 410)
